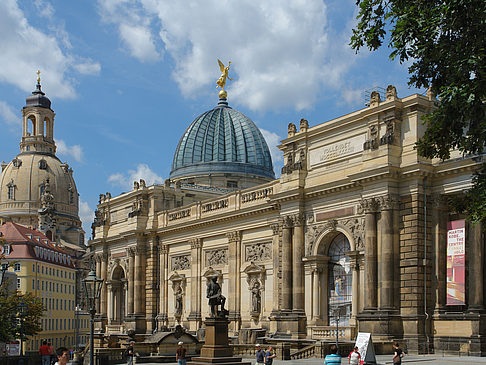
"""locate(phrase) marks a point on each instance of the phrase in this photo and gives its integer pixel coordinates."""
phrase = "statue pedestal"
(216, 348)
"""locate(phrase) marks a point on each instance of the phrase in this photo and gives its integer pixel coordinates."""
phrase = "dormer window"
(11, 190)
(6, 249)
(43, 164)
(17, 162)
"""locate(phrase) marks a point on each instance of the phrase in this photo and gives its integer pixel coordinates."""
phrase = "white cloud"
(140, 42)
(75, 151)
(283, 54)
(143, 171)
(8, 115)
(273, 140)
(24, 49)
(86, 214)
(352, 97)
(88, 67)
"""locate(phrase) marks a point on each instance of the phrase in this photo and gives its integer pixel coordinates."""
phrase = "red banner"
(456, 259)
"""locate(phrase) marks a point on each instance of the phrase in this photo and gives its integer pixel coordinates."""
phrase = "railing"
(222, 204)
(329, 333)
(304, 353)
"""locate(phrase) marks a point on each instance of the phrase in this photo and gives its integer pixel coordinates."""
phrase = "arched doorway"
(339, 281)
(117, 307)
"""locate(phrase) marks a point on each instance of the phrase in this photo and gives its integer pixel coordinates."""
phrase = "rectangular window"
(17, 267)
(57, 287)
(42, 269)
(18, 283)
(6, 249)
(57, 273)
(11, 192)
(61, 288)
(50, 273)
(33, 267)
(38, 284)
(33, 284)
(42, 284)
(61, 304)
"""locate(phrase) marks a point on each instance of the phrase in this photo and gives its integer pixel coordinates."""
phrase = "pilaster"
(194, 318)
(234, 250)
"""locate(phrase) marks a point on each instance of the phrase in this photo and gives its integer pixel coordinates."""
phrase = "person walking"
(45, 353)
(397, 357)
(260, 355)
(52, 354)
(181, 354)
(130, 353)
(333, 358)
(269, 356)
(354, 357)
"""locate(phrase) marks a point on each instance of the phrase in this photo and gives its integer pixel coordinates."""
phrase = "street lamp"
(92, 288)
(22, 310)
(4, 268)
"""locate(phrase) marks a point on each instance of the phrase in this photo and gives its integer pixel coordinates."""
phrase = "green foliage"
(445, 41)
(9, 314)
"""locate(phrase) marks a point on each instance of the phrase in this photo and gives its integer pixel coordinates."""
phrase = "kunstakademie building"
(356, 227)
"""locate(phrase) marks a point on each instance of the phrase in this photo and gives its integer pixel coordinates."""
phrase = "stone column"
(476, 267)
(287, 264)
(355, 258)
(275, 256)
(131, 280)
(439, 239)
(234, 266)
(151, 284)
(110, 310)
(139, 302)
(317, 294)
(163, 271)
(371, 298)
(104, 291)
(386, 261)
(297, 264)
(196, 261)
(98, 259)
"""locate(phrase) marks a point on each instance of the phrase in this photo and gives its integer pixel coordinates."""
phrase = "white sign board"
(365, 348)
(336, 150)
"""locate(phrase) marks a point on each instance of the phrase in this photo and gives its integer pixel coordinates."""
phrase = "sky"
(127, 77)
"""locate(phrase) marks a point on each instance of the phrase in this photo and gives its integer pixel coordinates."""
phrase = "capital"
(275, 228)
(234, 236)
(195, 243)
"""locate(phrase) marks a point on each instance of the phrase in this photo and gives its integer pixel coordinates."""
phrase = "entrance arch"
(339, 281)
(117, 289)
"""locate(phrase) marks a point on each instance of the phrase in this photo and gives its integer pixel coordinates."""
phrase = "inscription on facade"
(181, 262)
(258, 252)
(216, 257)
(336, 150)
(256, 195)
(219, 204)
(179, 214)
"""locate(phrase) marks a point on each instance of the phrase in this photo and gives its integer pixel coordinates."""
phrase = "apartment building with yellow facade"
(49, 272)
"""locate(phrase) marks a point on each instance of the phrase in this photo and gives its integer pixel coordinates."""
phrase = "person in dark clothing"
(260, 355)
(269, 356)
(397, 357)
(181, 354)
(130, 353)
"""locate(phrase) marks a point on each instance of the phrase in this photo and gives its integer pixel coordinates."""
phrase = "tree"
(9, 314)
(445, 40)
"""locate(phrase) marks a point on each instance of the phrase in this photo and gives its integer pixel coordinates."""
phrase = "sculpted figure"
(215, 297)
(178, 301)
(224, 75)
(256, 297)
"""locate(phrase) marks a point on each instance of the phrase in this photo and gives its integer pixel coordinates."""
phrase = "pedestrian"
(181, 354)
(260, 355)
(354, 357)
(52, 354)
(333, 358)
(45, 353)
(129, 353)
(397, 357)
(62, 356)
(269, 356)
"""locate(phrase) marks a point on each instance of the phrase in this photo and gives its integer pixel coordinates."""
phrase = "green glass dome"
(222, 140)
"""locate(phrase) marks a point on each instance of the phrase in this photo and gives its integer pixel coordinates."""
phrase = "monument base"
(216, 349)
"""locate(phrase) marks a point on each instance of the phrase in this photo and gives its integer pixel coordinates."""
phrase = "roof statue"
(222, 79)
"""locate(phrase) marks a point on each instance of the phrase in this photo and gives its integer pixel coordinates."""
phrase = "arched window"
(340, 281)
(11, 190)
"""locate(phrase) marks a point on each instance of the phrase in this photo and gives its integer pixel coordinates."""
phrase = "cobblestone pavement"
(385, 360)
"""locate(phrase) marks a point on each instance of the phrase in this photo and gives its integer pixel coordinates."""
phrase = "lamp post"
(22, 309)
(92, 288)
(336, 316)
(4, 268)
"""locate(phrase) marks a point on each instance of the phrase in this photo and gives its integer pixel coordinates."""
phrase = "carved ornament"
(181, 262)
(234, 236)
(258, 252)
(217, 257)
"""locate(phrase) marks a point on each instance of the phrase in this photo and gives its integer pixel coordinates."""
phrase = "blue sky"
(126, 78)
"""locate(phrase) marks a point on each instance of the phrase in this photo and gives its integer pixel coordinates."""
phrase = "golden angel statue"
(224, 75)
